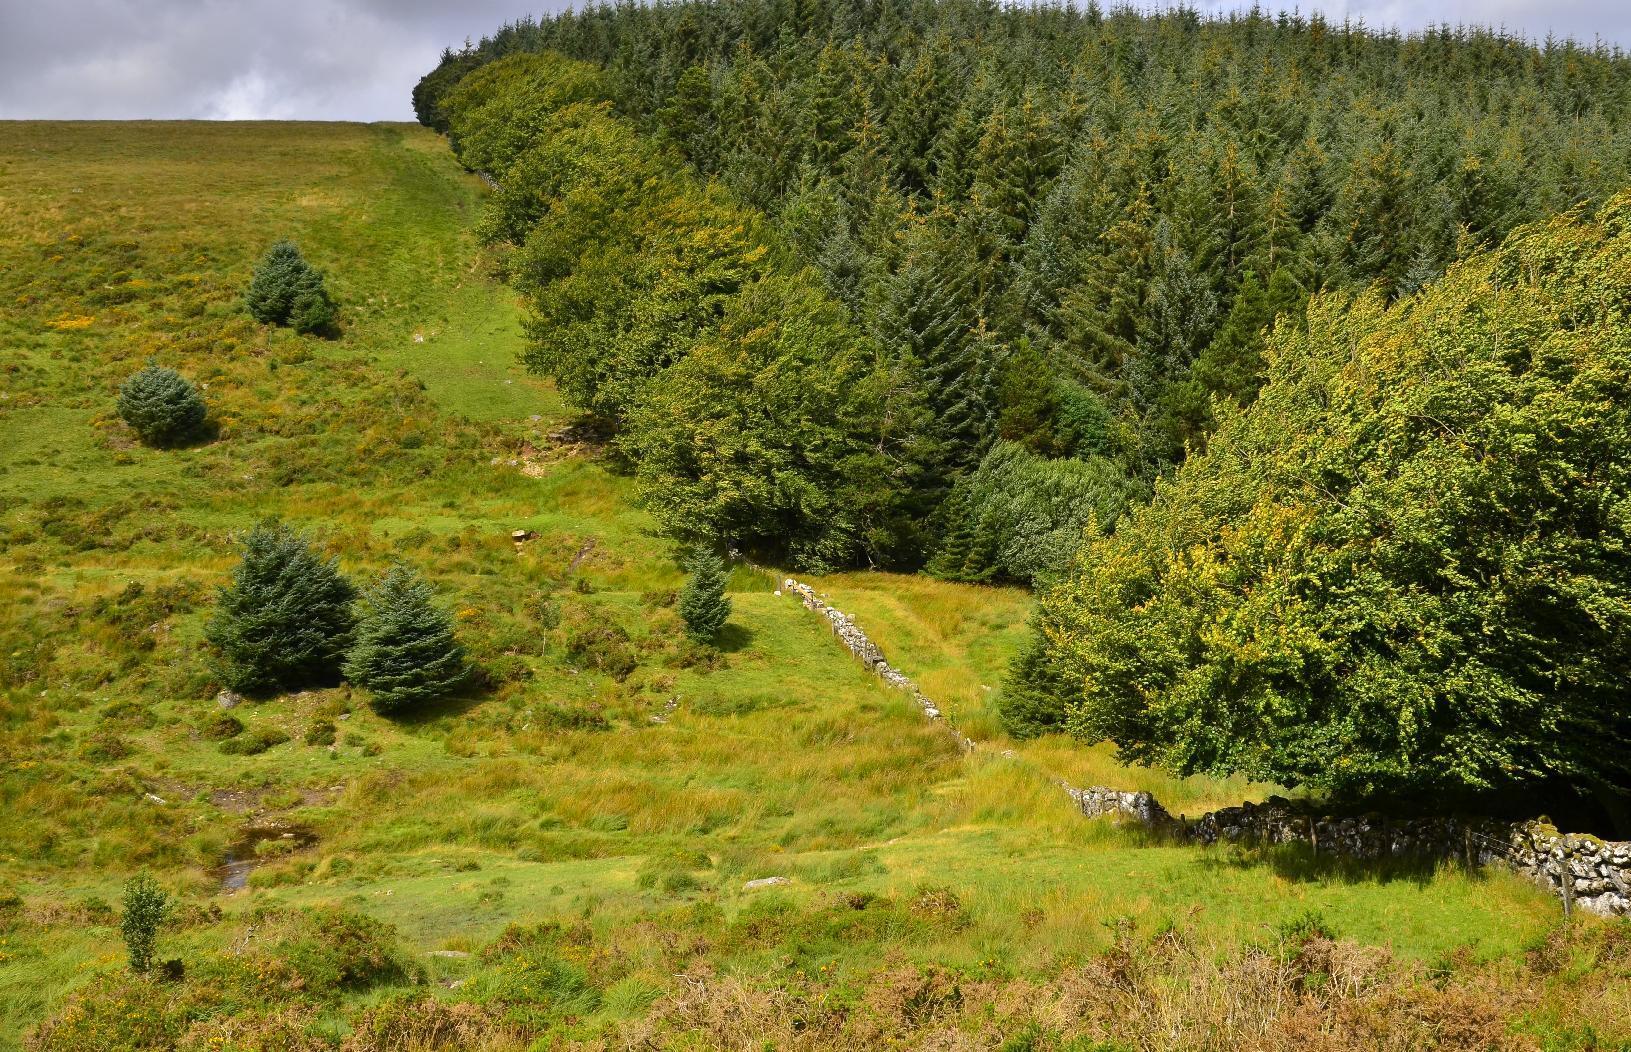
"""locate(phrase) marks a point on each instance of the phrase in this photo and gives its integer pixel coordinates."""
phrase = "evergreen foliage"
(1399, 572)
(145, 907)
(405, 653)
(285, 621)
(1020, 517)
(286, 290)
(703, 605)
(1110, 185)
(162, 407)
(1125, 203)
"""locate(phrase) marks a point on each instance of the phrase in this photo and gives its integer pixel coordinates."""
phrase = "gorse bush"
(1401, 571)
(703, 605)
(162, 407)
(286, 290)
(405, 652)
(285, 620)
(145, 907)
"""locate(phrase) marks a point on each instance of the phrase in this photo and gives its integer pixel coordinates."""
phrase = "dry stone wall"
(1585, 872)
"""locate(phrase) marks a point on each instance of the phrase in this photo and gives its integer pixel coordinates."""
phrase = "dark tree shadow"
(1301, 864)
(453, 705)
(733, 637)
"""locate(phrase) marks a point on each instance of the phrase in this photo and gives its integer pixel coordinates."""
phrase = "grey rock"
(229, 699)
(765, 882)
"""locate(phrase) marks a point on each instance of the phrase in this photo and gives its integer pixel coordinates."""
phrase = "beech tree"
(1398, 573)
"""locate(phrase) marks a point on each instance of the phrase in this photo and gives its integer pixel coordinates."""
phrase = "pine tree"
(926, 312)
(406, 652)
(285, 620)
(286, 290)
(704, 607)
(1232, 364)
(161, 406)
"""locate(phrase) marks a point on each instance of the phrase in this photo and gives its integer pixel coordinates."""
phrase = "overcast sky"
(359, 59)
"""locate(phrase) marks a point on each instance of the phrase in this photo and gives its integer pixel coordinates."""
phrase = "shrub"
(600, 645)
(321, 732)
(1019, 517)
(254, 742)
(146, 906)
(704, 606)
(417, 1021)
(162, 407)
(221, 726)
(333, 949)
(406, 653)
(285, 620)
(286, 290)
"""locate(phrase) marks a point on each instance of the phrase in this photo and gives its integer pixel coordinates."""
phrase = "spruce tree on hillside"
(406, 652)
(925, 313)
(287, 290)
(161, 406)
(704, 607)
(285, 621)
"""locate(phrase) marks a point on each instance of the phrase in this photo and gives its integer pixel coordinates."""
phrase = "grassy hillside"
(930, 898)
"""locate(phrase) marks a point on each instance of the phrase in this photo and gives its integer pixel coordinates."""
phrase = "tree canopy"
(812, 263)
(1402, 570)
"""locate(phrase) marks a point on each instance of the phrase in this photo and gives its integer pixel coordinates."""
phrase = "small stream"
(246, 853)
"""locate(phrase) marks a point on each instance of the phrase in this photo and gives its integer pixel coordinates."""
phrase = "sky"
(359, 59)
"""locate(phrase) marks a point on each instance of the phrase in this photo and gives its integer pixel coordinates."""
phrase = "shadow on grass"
(1302, 864)
(734, 637)
(428, 713)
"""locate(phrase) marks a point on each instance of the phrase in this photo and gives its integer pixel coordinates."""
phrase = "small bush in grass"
(146, 906)
(603, 646)
(221, 726)
(162, 407)
(704, 606)
(321, 732)
(254, 742)
(406, 653)
(287, 290)
(286, 619)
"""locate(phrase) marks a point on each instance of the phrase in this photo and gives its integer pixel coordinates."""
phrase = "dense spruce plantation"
(1057, 228)
(953, 286)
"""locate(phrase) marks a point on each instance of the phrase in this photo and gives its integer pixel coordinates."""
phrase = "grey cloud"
(359, 59)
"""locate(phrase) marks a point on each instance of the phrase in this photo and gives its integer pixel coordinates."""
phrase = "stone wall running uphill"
(1585, 872)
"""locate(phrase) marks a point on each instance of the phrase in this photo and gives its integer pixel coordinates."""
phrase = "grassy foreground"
(561, 855)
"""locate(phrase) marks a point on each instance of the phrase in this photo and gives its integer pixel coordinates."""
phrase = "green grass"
(778, 757)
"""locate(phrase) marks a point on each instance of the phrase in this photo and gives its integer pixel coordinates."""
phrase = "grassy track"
(551, 795)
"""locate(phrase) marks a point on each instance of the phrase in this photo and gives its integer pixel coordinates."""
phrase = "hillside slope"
(609, 790)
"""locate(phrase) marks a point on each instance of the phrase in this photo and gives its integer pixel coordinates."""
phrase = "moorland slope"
(563, 852)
